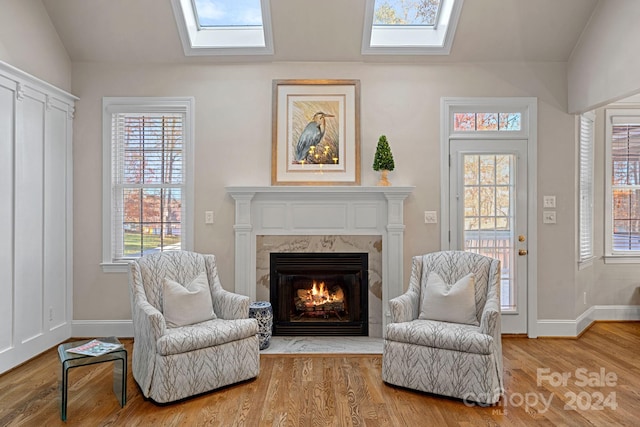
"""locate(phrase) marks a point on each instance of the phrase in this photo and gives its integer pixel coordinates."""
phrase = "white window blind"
(148, 185)
(625, 182)
(585, 234)
(622, 198)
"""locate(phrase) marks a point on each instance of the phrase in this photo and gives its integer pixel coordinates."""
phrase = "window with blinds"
(585, 223)
(148, 181)
(623, 183)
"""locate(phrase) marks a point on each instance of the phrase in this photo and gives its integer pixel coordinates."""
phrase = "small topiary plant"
(383, 159)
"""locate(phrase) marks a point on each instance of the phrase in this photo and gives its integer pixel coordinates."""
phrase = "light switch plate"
(549, 201)
(430, 217)
(208, 217)
(549, 217)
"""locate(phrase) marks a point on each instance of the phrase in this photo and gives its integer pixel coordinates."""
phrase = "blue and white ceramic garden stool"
(263, 313)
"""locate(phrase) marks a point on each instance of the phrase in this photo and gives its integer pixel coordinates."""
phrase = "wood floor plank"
(347, 390)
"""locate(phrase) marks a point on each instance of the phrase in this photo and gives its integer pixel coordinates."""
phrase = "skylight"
(228, 13)
(402, 12)
(224, 27)
(410, 27)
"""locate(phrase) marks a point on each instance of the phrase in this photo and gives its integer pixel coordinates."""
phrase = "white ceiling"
(328, 30)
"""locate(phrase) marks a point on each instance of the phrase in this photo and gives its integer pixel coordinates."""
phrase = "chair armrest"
(149, 324)
(490, 320)
(404, 308)
(488, 323)
(228, 305)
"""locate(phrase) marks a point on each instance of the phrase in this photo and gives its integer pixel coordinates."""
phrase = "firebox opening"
(319, 297)
(319, 293)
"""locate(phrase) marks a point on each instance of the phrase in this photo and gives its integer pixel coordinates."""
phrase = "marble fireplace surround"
(371, 245)
(356, 217)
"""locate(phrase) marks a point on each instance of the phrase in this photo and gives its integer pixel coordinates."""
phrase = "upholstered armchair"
(190, 335)
(445, 336)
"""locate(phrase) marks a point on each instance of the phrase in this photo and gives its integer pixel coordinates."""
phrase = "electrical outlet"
(208, 217)
(584, 296)
(549, 201)
(430, 217)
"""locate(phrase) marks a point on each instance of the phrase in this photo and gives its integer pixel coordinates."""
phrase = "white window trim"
(198, 41)
(112, 105)
(586, 179)
(448, 106)
(411, 40)
(610, 256)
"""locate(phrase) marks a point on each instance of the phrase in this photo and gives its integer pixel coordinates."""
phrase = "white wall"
(233, 147)
(29, 42)
(611, 284)
(233, 142)
(605, 66)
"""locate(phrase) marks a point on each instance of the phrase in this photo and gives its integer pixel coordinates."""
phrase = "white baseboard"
(573, 328)
(102, 328)
(557, 328)
(546, 327)
(616, 312)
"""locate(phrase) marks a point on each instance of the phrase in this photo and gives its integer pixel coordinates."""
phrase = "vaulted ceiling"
(329, 30)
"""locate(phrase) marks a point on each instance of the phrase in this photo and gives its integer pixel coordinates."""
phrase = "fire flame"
(319, 294)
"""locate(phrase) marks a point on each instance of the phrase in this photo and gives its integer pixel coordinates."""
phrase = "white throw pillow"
(455, 303)
(186, 305)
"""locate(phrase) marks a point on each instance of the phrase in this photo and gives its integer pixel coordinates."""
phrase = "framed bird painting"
(316, 132)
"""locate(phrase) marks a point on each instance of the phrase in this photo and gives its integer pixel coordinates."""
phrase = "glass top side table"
(73, 360)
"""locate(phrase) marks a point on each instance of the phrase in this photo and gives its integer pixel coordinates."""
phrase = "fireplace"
(319, 293)
(321, 211)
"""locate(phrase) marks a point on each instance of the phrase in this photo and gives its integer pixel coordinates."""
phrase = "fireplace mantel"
(331, 210)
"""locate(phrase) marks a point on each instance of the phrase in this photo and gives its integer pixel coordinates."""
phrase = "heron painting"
(315, 138)
(311, 135)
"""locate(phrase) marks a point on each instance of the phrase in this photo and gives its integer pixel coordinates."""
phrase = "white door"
(488, 214)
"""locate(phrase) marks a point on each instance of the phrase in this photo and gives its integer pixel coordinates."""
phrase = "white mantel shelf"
(319, 189)
(317, 210)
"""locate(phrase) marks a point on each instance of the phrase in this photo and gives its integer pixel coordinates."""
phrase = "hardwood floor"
(339, 390)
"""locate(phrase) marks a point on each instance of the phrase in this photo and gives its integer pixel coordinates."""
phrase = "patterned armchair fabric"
(173, 363)
(457, 360)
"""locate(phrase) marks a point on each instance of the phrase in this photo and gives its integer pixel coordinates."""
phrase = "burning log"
(320, 299)
(302, 305)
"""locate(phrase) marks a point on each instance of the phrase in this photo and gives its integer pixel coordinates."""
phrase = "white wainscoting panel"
(36, 216)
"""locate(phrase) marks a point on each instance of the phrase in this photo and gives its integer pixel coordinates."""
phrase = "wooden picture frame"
(316, 132)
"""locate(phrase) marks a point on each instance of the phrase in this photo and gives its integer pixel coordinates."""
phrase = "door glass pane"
(464, 122)
(478, 122)
(489, 200)
(487, 121)
(510, 121)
